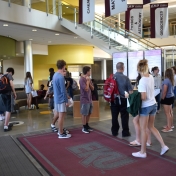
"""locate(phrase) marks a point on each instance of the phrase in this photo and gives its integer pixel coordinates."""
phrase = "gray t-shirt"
(123, 83)
(85, 96)
(9, 76)
(170, 88)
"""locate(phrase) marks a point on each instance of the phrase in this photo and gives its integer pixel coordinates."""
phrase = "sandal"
(166, 127)
(166, 130)
(134, 143)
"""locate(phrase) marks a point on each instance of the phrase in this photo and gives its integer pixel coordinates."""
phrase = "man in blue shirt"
(60, 98)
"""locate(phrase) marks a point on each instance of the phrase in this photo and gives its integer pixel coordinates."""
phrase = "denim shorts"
(150, 110)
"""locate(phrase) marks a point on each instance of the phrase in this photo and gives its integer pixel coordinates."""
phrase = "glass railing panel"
(53, 7)
(18, 2)
(40, 5)
(68, 12)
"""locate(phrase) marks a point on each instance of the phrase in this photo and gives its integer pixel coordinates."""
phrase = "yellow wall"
(72, 54)
(72, 2)
(7, 46)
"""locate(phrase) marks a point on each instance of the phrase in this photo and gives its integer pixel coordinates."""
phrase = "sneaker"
(167, 127)
(6, 128)
(85, 130)
(164, 150)
(54, 129)
(89, 128)
(66, 131)
(139, 155)
(167, 130)
(148, 145)
(64, 136)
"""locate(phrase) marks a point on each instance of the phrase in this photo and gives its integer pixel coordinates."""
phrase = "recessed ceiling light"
(34, 30)
(4, 56)
(30, 39)
(9, 36)
(67, 7)
(63, 12)
(145, 19)
(149, 21)
(56, 34)
(49, 41)
(17, 54)
(75, 37)
(5, 25)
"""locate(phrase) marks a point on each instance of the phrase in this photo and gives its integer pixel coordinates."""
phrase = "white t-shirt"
(146, 84)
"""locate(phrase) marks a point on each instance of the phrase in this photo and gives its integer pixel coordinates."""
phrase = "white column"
(54, 7)
(28, 59)
(103, 69)
(27, 3)
(119, 19)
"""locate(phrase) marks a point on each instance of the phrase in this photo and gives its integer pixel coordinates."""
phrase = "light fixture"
(145, 19)
(30, 39)
(34, 30)
(9, 36)
(4, 56)
(17, 54)
(149, 21)
(75, 37)
(49, 41)
(56, 34)
(67, 7)
(63, 12)
(5, 25)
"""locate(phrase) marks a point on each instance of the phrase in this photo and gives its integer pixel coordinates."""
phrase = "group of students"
(148, 104)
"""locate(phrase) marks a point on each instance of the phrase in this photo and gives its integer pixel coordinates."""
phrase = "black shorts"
(6, 100)
(51, 103)
(168, 101)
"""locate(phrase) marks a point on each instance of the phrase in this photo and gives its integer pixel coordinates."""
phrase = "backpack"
(5, 84)
(74, 84)
(111, 89)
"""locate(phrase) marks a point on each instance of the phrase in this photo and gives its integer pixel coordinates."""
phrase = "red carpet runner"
(94, 154)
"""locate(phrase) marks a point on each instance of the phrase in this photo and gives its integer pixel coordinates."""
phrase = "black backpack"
(4, 84)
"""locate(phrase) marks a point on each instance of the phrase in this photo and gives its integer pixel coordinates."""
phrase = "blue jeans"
(150, 110)
(158, 99)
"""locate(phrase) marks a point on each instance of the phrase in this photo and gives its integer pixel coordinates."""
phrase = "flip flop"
(166, 127)
(134, 143)
(167, 131)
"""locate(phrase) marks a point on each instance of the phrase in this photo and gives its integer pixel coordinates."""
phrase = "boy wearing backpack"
(6, 88)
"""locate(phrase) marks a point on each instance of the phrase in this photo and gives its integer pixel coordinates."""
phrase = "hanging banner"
(159, 20)
(86, 11)
(134, 19)
(147, 1)
(113, 7)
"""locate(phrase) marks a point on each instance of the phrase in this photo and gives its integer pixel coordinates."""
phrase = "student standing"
(124, 84)
(168, 99)
(2, 117)
(148, 109)
(157, 85)
(6, 97)
(86, 87)
(60, 98)
(28, 89)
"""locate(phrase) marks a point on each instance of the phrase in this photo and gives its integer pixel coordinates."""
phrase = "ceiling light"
(145, 19)
(34, 30)
(63, 12)
(67, 7)
(30, 39)
(5, 25)
(56, 34)
(149, 21)
(4, 56)
(49, 41)
(17, 54)
(9, 36)
(75, 37)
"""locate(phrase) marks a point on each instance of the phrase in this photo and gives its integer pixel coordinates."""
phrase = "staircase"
(103, 33)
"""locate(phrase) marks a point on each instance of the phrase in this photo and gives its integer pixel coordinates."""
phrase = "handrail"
(130, 34)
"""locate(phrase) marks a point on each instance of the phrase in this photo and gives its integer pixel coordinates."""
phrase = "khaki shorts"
(60, 107)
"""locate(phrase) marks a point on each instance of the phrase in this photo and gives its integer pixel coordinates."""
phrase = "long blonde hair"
(142, 66)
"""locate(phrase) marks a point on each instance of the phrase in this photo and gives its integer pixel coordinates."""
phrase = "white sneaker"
(139, 155)
(164, 150)
(64, 135)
